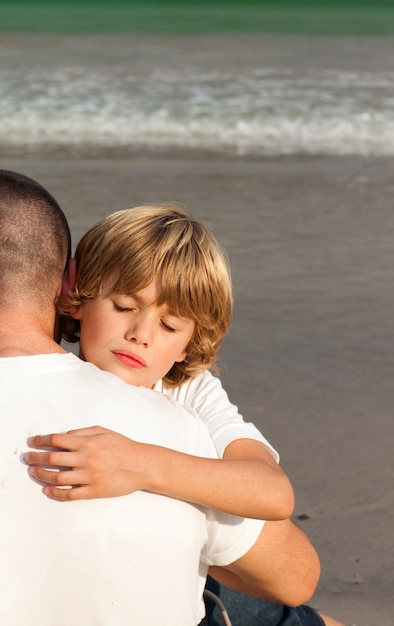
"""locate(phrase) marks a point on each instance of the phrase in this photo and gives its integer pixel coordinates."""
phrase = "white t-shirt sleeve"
(229, 537)
(206, 396)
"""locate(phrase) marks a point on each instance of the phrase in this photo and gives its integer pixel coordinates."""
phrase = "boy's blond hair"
(130, 248)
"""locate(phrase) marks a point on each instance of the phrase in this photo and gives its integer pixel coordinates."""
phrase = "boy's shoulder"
(204, 383)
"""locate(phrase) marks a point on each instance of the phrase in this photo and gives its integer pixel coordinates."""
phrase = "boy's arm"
(274, 496)
(246, 482)
(282, 566)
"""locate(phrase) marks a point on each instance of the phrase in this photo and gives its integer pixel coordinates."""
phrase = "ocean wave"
(264, 112)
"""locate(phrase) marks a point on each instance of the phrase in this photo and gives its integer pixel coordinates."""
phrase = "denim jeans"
(245, 610)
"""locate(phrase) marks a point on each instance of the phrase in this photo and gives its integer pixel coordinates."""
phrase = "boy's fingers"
(60, 479)
(54, 440)
(51, 459)
(59, 493)
(88, 431)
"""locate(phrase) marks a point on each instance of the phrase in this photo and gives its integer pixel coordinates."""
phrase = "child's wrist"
(153, 471)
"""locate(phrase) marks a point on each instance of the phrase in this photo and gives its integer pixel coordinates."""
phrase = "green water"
(309, 17)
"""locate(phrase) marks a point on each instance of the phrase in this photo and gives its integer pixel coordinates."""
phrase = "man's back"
(97, 562)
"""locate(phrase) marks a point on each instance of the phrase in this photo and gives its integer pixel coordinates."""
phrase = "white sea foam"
(265, 111)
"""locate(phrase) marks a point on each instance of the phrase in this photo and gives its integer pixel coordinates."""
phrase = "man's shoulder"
(143, 411)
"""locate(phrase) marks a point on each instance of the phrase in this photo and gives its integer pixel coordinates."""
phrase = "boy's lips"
(129, 359)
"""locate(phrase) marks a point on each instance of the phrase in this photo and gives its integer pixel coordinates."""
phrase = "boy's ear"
(69, 277)
(181, 357)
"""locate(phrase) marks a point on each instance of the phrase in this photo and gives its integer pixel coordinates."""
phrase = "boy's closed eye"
(167, 327)
(122, 309)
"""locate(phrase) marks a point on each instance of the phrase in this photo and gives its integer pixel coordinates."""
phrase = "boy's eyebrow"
(135, 297)
(171, 311)
(130, 296)
(139, 300)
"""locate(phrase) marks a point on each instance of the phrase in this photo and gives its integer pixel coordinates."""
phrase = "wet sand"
(310, 357)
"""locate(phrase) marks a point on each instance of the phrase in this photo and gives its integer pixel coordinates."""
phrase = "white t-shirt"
(206, 396)
(126, 561)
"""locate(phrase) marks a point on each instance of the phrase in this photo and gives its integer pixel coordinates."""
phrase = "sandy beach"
(310, 355)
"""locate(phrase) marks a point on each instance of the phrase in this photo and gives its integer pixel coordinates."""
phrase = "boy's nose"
(139, 334)
(135, 340)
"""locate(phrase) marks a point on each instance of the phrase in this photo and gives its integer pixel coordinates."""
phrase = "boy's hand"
(92, 462)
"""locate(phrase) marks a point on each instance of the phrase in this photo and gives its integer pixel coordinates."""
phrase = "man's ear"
(69, 277)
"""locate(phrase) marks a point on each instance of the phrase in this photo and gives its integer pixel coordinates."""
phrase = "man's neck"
(24, 334)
